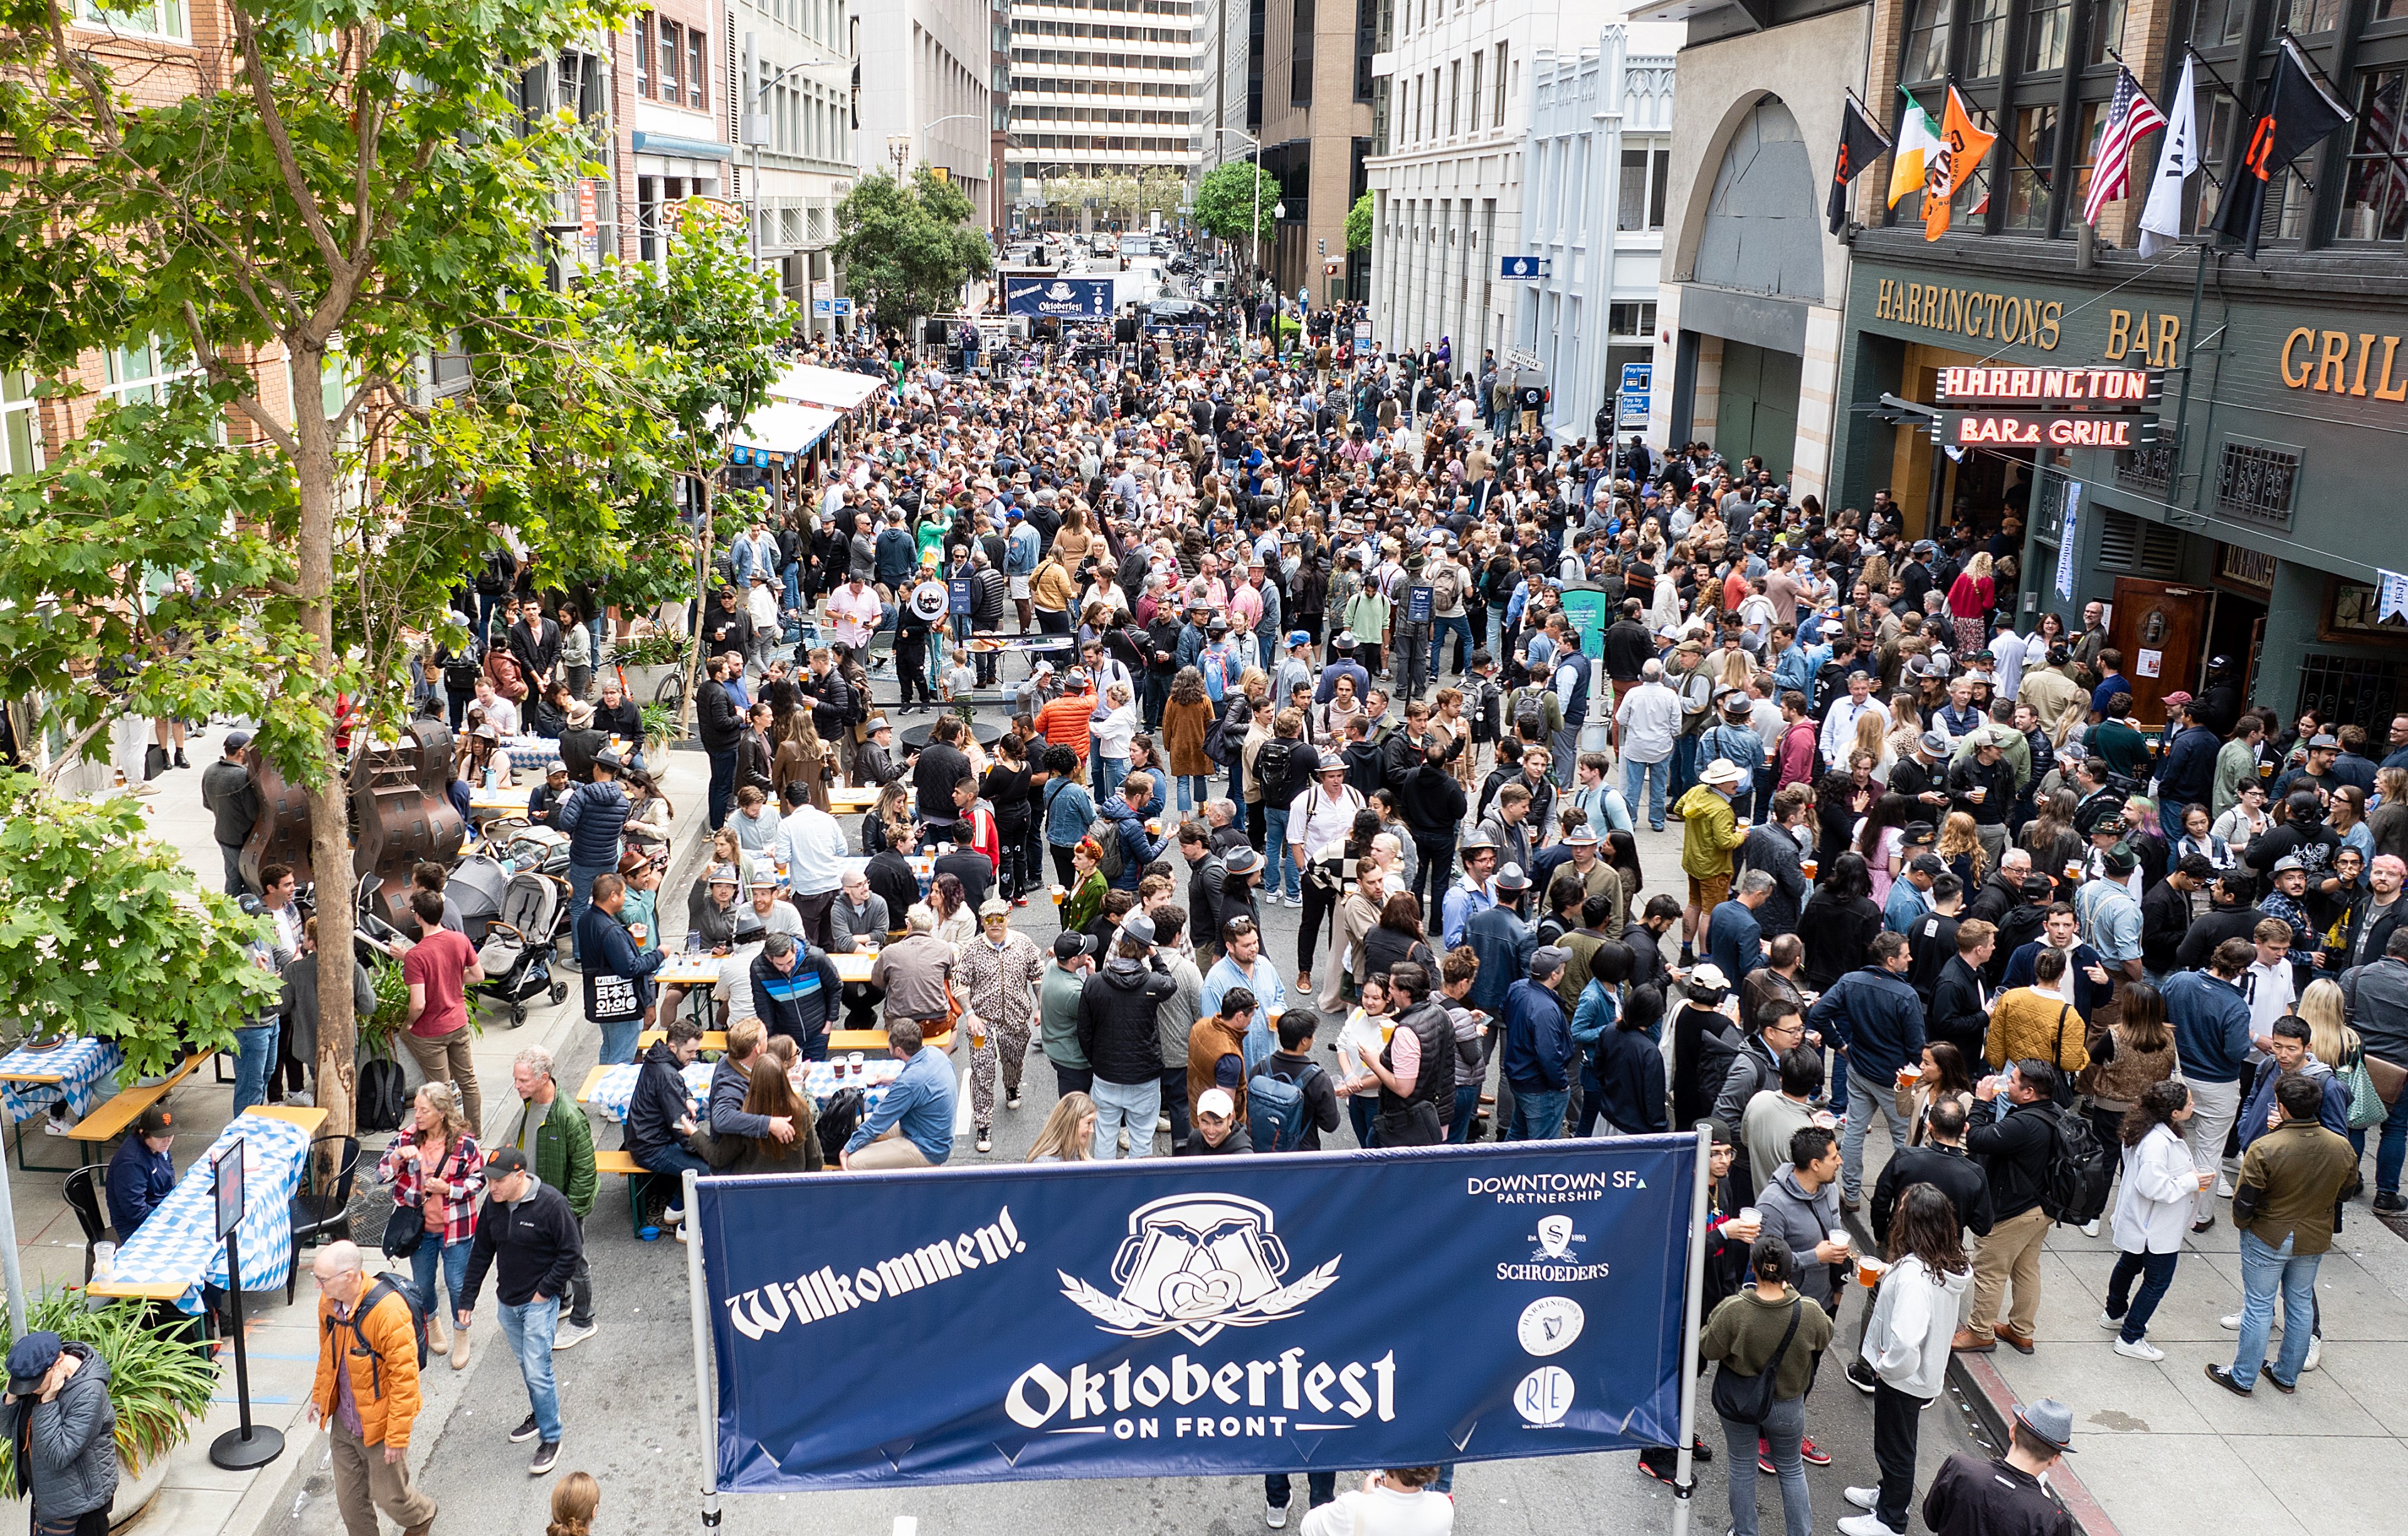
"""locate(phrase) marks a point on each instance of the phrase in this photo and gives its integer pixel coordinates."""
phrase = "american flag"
(2130, 114)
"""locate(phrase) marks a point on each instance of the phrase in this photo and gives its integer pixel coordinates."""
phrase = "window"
(20, 426)
(1479, 58)
(2374, 200)
(2255, 480)
(694, 70)
(1644, 175)
(644, 53)
(1497, 121)
(2035, 145)
(1986, 44)
(145, 18)
(2309, 16)
(140, 374)
(2106, 32)
(1637, 318)
(2044, 35)
(1300, 70)
(672, 49)
(1926, 42)
(1453, 98)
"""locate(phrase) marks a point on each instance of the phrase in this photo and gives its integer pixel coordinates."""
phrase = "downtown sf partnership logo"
(1209, 1269)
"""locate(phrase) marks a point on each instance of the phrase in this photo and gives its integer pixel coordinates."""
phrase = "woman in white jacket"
(1906, 1342)
(2153, 1204)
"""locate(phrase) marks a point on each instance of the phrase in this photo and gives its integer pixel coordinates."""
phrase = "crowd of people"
(1252, 629)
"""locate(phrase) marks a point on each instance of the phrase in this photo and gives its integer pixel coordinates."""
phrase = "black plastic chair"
(321, 1211)
(85, 1195)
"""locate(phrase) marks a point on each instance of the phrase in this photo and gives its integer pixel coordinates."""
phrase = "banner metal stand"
(698, 1297)
(1685, 1484)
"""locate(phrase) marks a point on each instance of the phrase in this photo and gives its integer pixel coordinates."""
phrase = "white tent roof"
(833, 388)
(783, 427)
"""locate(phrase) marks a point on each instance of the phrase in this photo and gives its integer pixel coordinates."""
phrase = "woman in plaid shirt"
(437, 1168)
(999, 972)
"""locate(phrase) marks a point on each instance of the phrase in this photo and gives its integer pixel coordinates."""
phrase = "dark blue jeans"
(722, 786)
(2155, 1273)
(1319, 1488)
(2392, 1150)
(1467, 1105)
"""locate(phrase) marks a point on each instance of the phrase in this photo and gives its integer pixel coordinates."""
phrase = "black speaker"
(935, 335)
(1124, 328)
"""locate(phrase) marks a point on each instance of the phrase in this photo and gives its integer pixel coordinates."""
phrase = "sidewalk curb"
(1992, 1403)
(271, 1501)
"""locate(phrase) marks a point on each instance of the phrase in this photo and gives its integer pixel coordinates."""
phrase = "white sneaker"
(1862, 1498)
(681, 1235)
(571, 1335)
(1124, 1141)
(1866, 1525)
(2090, 1229)
(2223, 1189)
(2230, 1321)
(1275, 1516)
(1161, 1123)
(2109, 1323)
(674, 1216)
(52, 1125)
(2316, 1355)
(2138, 1349)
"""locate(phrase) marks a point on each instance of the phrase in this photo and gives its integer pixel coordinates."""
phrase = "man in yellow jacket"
(1709, 832)
(367, 1390)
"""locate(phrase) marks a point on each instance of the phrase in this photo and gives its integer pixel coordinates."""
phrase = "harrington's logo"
(1196, 1264)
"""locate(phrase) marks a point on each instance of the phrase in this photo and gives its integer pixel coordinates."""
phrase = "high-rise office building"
(1103, 89)
(925, 67)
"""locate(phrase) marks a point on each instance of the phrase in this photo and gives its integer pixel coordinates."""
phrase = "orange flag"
(1962, 148)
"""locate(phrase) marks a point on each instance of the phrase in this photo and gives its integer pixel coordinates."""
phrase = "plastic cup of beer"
(2073, 868)
(853, 1063)
(637, 932)
(1981, 792)
(1808, 865)
(1058, 894)
(1908, 1075)
(1870, 1271)
(1749, 1215)
(1840, 1237)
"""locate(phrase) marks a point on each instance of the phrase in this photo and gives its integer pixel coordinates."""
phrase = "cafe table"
(174, 1254)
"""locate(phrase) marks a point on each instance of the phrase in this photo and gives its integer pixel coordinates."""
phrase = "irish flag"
(1919, 149)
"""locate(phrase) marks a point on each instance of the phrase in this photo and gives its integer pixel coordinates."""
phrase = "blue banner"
(1197, 1317)
(1067, 298)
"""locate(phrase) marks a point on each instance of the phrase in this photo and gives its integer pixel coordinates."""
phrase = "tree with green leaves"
(1231, 196)
(909, 248)
(1358, 224)
(364, 186)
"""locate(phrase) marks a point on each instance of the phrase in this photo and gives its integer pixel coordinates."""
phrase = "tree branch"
(279, 139)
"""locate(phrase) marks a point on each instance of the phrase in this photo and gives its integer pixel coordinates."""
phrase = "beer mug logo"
(1196, 1264)
(1556, 1237)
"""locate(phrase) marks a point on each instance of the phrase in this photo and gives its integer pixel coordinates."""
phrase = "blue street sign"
(1634, 406)
(1522, 269)
(1638, 377)
(831, 307)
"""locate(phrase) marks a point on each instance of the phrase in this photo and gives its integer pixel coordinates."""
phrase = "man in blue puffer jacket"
(1127, 811)
(1876, 1017)
(592, 816)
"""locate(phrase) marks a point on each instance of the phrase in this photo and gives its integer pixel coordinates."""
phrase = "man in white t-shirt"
(1318, 821)
(856, 613)
(733, 991)
(1397, 1502)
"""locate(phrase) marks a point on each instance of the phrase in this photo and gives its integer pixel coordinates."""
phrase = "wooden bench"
(115, 1117)
(639, 1180)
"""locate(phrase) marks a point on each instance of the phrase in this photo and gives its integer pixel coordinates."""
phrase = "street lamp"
(1256, 225)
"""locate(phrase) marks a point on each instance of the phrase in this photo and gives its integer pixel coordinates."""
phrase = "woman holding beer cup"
(1921, 1288)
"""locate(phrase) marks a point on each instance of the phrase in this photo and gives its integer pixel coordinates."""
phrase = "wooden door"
(2159, 627)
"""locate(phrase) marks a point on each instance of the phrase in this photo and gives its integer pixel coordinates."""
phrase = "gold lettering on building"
(1972, 313)
(2149, 338)
(2358, 365)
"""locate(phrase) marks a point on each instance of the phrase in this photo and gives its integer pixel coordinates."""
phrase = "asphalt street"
(628, 1405)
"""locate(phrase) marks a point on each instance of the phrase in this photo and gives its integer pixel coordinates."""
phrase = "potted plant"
(159, 1384)
(650, 658)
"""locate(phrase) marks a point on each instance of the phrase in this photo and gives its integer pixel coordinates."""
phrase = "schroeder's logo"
(1196, 1264)
(1556, 1238)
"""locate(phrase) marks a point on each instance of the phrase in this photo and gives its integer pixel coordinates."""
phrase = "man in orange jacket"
(370, 1404)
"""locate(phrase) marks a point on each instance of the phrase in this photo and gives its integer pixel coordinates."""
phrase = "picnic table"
(845, 799)
(608, 1088)
(76, 1071)
(177, 1251)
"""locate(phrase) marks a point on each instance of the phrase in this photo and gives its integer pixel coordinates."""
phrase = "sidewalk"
(196, 1498)
(2158, 1446)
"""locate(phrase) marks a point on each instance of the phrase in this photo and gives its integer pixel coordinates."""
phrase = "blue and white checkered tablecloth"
(84, 1066)
(820, 1080)
(180, 1241)
(529, 754)
(618, 1085)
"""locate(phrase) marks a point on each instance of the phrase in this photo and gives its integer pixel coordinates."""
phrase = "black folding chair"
(86, 1191)
(321, 1207)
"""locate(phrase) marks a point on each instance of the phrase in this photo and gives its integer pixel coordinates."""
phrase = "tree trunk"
(330, 841)
(687, 710)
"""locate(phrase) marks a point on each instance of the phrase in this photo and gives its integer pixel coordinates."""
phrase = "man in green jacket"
(1709, 832)
(553, 1132)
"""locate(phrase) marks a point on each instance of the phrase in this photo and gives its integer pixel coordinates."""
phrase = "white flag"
(2161, 219)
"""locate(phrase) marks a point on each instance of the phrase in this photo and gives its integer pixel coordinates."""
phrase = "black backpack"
(378, 1099)
(387, 1283)
(2075, 1191)
(1270, 768)
(841, 1117)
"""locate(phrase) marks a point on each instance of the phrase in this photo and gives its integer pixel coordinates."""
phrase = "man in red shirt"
(441, 967)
